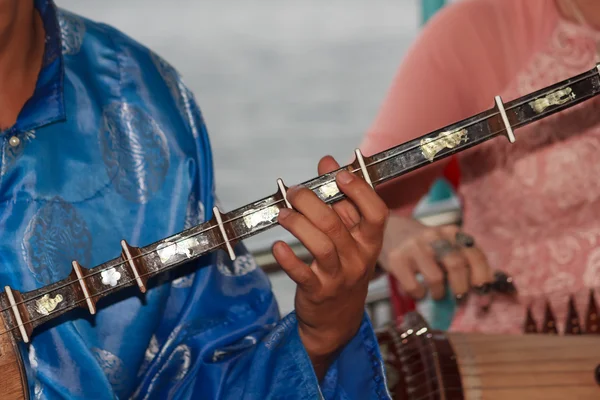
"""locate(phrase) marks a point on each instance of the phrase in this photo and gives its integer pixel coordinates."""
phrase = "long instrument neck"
(84, 287)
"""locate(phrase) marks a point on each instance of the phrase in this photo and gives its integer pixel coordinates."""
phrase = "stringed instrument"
(21, 313)
(422, 364)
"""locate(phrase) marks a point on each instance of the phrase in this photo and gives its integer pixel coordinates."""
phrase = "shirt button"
(14, 141)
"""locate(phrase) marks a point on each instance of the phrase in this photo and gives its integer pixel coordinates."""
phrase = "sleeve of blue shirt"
(279, 367)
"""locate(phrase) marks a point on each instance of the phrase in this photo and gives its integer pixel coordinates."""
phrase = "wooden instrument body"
(13, 379)
(427, 365)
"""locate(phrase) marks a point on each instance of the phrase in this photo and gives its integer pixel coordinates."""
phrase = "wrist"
(320, 348)
(318, 344)
(323, 343)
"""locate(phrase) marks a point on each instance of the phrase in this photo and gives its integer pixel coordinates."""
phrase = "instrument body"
(13, 379)
(422, 364)
(533, 367)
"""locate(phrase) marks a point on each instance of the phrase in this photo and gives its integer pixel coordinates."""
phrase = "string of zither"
(491, 135)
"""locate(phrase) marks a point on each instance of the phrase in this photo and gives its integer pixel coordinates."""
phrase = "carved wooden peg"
(549, 325)
(572, 325)
(131, 256)
(79, 275)
(591, 319)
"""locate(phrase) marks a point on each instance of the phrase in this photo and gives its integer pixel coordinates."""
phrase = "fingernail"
(279, 248)
(344, 177)
(284, 213)
(292, 189)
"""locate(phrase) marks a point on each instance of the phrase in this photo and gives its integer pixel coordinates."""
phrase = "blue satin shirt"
(112, 146)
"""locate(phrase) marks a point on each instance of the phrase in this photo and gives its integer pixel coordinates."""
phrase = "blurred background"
(280, 83)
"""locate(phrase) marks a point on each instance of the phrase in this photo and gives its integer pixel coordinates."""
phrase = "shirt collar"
(46, 105)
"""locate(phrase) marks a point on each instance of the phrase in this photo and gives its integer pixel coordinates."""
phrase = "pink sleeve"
(452, 71)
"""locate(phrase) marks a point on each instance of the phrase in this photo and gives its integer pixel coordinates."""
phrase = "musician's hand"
(411, 248)
(345, 240)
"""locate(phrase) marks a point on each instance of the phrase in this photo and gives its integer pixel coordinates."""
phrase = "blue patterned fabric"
(112, 146)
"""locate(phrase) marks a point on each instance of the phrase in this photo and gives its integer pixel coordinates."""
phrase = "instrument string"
(257, 210)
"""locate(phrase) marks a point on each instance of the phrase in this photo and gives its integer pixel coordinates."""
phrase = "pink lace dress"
(533, 206)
